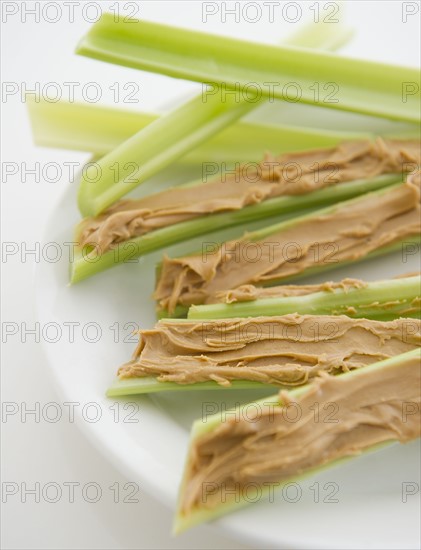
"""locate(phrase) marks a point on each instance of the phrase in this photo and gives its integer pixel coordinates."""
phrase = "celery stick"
(381, 300)
(82, 126)
(154, 148)
(318, 78)
(85, 265)
(85, 127)
(137, 386)
(388, 367)
(174, 134)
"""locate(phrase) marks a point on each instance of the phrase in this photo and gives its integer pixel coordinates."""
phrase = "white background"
(46, 452)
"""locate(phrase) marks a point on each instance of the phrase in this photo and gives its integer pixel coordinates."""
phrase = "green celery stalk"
(82, 126)
(236, 502)
(297, 74)
(174, 134)
(381, 300)
(182, 311)
(84, 265)
(152, 149)
(138, 386)
(99, 130)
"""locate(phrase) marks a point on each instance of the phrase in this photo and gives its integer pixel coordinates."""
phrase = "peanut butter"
(286, 350)
(336, 417)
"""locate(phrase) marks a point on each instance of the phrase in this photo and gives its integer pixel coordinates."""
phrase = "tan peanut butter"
(347, 232)
(337, 417)
(288, 174)
(289, 349)
(249, 293)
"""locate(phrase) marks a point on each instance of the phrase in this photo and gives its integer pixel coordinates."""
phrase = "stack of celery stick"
(369, 207)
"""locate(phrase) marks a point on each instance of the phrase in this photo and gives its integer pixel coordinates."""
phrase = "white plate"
(370, 512)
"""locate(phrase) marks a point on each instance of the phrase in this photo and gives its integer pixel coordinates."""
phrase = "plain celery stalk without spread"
(99, 130)
(383, 300)
(324, 239)
(283, 350)
(362, 86)
(289, 174)
(339, 417)
(173, 134)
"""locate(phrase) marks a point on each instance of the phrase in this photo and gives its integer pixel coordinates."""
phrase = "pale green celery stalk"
(152, 149)
(99, 130)
(87, 264)
(236, 502)
(319, 78)
(82, 126)
(176, 133)
(149, 384)
(380, 300)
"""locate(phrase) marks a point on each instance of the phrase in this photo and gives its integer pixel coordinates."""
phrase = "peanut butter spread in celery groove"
(364, 411)
(288, 174)
(286, 350)
(348, 232)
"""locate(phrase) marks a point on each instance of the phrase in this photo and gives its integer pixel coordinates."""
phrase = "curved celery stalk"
(174, 134)
(381, 300)
(234, 500)
(85, 265)
(99, 130)
(350, 84)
